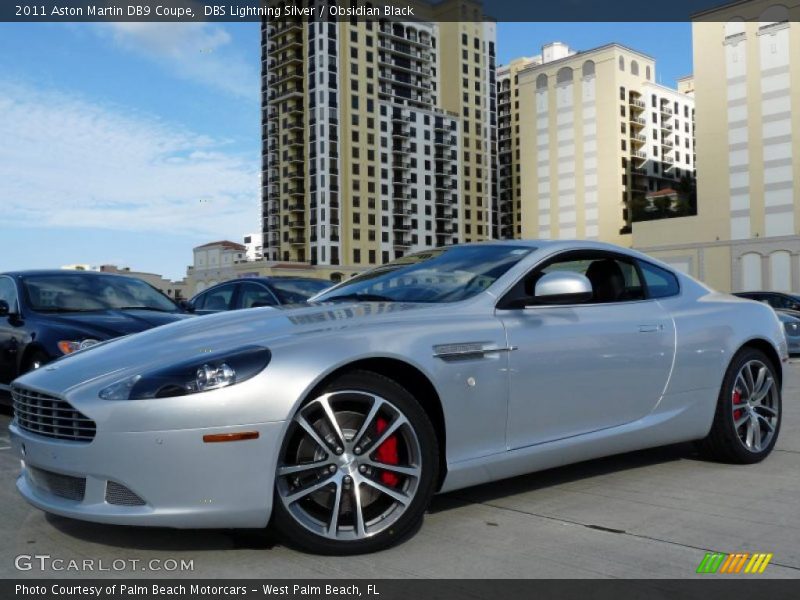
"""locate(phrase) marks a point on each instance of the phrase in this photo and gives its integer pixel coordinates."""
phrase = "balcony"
(297, 240)
(638, 104)
(639, 154)
(638, 138)
(285, 44)
(638, 121)
(667, 127)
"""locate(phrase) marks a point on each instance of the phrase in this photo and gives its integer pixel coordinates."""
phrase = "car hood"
(223, 331)
(107, 324)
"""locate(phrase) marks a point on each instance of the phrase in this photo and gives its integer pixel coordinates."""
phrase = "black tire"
(37, 357)
(723, 442)
(297, 535)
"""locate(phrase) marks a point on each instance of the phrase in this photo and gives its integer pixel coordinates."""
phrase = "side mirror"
(563, 287)
(5, 309)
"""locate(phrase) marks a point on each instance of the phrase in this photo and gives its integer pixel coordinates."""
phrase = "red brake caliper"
(737, 400)
(387, 453)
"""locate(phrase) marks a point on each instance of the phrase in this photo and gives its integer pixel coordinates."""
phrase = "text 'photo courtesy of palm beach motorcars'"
(48, 314)
(443, 369)
(255, 292)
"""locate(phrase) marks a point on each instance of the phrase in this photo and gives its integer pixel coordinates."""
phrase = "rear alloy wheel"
(748, 416)
(357, 468)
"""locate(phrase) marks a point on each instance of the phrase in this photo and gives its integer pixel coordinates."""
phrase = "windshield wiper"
(360, 298)
(153, 308)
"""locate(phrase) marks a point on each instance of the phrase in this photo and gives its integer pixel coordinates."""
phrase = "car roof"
(64, 272)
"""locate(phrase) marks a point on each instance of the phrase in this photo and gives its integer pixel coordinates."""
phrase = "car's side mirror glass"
(186, 305)
(562, 287)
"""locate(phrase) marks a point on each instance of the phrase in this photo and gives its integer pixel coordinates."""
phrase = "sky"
(131, 143)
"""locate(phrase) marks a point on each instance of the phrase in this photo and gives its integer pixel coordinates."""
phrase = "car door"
(253, 294)
(581, 368)
(217, 299)
(9, 333)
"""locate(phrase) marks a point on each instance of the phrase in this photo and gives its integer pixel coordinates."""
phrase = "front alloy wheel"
(357, 467)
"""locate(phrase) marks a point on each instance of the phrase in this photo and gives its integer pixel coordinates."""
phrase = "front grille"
(50, 416)
(63, 486)
(118, 494)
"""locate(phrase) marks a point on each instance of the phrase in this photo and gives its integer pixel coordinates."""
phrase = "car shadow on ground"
(163, 538)
(543, 480)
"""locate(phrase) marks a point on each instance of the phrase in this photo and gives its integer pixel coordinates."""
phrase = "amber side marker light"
(230, 437)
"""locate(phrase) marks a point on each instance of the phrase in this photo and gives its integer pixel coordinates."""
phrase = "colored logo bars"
(743, 562)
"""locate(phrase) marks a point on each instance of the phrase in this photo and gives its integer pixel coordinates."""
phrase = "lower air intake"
(118, 494)
(63, 486)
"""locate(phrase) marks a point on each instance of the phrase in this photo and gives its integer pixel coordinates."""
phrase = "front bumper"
(181, 480)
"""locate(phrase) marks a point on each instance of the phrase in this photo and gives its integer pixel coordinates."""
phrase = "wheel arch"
(29, 351)
(412, 379)
(767, 348)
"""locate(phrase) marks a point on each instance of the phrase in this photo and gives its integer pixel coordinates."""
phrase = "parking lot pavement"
(646, 514)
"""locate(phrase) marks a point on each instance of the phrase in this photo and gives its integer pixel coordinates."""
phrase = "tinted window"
(8, 293)
(612, 279)
(254, 294)
(216, 299)
(660, 282)
(297, 291)
(87, 292)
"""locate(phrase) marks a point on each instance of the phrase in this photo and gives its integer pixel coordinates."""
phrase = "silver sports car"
(443, 369)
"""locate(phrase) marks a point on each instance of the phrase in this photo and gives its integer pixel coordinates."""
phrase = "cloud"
(199, 52)
(66, 162)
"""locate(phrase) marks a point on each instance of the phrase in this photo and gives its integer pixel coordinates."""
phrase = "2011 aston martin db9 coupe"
(443, 369)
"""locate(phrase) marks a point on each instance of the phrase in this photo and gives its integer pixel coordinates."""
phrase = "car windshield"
(297, 291)
(85, 292)
(432, 276)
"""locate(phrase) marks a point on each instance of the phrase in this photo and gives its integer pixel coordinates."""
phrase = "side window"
(613, 279)
(8, 292)
(660, 282)
(253, 294)
(217, 299)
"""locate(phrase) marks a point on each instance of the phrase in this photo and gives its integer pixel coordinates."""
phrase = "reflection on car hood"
(111, 323)
(218, 332)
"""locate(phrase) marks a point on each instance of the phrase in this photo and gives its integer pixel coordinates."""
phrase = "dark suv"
(47, 314)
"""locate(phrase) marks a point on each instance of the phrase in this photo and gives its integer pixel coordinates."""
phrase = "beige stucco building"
(377, 135)
(224, 260)
(747, 92)
(584, 138)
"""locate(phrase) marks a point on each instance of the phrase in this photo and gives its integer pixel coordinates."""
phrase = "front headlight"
(198, 374)
(70, 346)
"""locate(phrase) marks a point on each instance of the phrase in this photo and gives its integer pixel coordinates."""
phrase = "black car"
(777, 300)
(252, 292)
(47, 314)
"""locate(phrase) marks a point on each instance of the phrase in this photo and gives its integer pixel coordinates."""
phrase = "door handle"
(650, 328)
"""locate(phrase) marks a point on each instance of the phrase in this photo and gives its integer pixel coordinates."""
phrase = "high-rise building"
(747, 90)
(588, 143)
(377, 135)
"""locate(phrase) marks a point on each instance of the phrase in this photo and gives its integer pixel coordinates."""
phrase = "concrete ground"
(651, 514)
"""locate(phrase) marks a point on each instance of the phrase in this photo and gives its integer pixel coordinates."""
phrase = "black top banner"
(406, 10)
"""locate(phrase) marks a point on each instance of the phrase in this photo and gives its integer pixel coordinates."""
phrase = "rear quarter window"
(660, 282)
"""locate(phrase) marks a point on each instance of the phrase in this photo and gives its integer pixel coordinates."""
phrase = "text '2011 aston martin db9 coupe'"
(443, 369)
